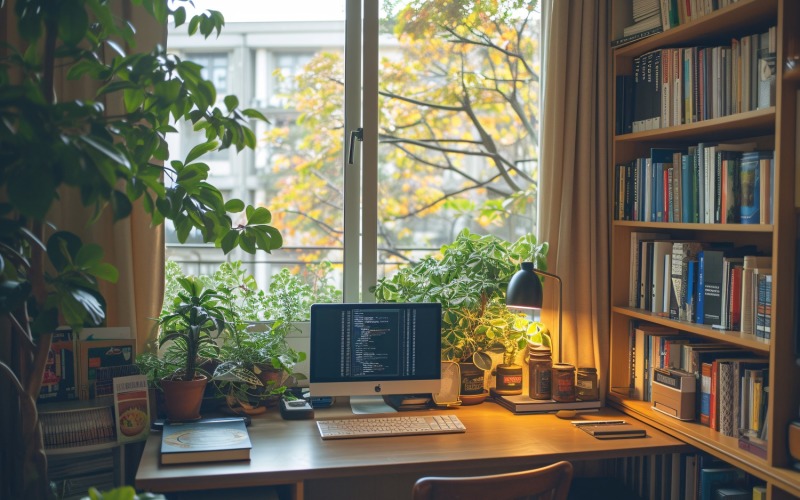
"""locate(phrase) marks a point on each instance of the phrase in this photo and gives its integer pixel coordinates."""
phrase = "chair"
(551, 482)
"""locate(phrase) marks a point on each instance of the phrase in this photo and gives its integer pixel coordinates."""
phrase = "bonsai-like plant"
(469, 278)
(51, 146)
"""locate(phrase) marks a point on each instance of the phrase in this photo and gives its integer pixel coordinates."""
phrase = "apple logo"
(378, 388)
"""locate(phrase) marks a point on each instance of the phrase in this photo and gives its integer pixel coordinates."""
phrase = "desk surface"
(286, 452)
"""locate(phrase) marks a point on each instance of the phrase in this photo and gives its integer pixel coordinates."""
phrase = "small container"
(540, 363)
(472, 379)
(586, 388)
(509, 380)
(563, 383)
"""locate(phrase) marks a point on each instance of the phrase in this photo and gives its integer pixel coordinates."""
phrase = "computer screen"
(375, 349)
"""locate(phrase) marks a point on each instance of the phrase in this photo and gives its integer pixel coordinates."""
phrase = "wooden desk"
(292, 453)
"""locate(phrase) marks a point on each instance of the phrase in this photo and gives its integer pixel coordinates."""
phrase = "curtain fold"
(131, 245)
(574, 165)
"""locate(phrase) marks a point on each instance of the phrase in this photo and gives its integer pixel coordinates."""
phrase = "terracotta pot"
(182, 398)
(270, 377)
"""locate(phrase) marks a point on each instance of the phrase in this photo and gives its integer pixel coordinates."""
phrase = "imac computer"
(375, 350)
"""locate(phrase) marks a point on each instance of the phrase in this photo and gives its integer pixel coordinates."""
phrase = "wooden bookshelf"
(772, 127)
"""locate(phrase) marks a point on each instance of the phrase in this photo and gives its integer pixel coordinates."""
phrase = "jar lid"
(587, 369)
(563, 366)
(541, 349)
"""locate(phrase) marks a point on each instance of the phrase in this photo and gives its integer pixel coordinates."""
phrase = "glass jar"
(586, 388)
(563, 383)
(540, 363)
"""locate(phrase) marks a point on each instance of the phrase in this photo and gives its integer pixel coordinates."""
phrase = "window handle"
(357, 134)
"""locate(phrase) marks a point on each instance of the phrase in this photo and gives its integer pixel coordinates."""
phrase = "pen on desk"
(597, 422)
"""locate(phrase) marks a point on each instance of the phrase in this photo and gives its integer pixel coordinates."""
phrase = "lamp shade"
(525, 288)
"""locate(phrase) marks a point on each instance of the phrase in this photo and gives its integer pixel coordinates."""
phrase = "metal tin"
(563, 383)
(586, 388)
(509, 380)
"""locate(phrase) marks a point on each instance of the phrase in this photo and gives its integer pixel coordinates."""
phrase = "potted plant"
(469, 278)
(255, 362)
(110, 162)
(189, 328)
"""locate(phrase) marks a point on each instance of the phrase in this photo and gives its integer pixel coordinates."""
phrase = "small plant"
(469, 278)
(190, 327)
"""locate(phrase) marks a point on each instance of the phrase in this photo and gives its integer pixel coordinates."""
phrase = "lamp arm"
(560, 313)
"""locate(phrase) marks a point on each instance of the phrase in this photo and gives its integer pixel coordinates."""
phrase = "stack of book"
(645, 21)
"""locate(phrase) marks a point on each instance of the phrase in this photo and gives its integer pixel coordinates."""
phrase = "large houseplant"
(52, 147)
(469, 278)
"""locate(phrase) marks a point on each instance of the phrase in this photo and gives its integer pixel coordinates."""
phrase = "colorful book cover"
(207, 440)
(750, 186)
(131, 408)
(96, 354)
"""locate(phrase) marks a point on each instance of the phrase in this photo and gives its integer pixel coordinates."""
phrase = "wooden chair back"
(551, 482)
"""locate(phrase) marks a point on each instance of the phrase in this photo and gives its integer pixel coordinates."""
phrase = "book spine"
(705, 393)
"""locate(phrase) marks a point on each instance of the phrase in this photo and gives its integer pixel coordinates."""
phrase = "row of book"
(72, 475)
(706, 184)
(78, 427)
(122, 418)
(677, 12)
(720, 386)
(688, 476)
(715, 284)
(675, 86)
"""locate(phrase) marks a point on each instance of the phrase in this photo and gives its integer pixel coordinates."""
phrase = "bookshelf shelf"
(771, 128)
(749, 124)
(710, 441)
(72, 450)
(667, 226)
(727, 336)
(746, 15)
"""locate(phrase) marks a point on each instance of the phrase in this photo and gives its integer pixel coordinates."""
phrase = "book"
(522, 403)
(132, 408)
(206, 440)
(617, 430)
(711, 276)
(94, 354)
(714, 478)
(635, 265)
(763, 305)
(750, 185)
(59, 377)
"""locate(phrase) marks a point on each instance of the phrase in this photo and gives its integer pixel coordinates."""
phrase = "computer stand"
(366, 405)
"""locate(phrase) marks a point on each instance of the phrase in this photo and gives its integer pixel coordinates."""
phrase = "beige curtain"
(135, 248)
(574, 159)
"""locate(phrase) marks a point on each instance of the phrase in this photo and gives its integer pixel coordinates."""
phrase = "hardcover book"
(206, 440)
(613, 431)
(525, 404)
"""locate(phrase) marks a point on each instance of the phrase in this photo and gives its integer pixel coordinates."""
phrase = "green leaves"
(469, 278)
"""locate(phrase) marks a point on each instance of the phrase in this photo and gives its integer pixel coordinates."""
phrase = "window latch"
(357, 134)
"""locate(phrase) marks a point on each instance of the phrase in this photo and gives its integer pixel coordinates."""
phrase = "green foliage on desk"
(121, 493)
(469, 278)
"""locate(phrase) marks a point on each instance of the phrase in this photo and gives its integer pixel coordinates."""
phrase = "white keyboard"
(389, 426)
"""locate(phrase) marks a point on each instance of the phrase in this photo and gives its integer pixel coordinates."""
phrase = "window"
(448, 100)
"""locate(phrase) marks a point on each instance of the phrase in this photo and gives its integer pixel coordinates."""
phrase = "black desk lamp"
(525, 292)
